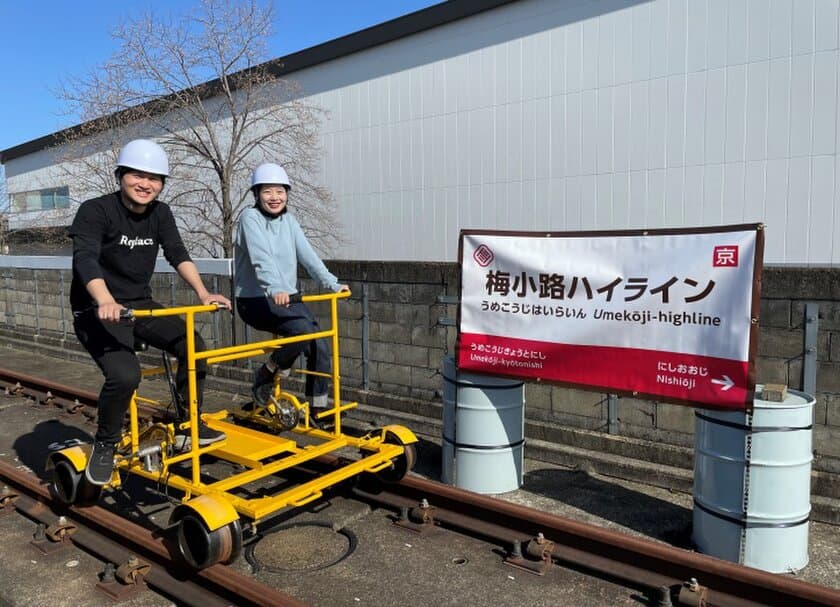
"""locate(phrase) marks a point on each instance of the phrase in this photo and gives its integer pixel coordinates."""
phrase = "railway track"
(140, 556)
(530, 540)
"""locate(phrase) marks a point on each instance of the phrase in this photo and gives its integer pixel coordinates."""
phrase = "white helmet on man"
(144, 155)
(270, 173)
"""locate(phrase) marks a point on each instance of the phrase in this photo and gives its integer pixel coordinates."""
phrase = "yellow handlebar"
(325, 296)
(129, 313)
(214, 307)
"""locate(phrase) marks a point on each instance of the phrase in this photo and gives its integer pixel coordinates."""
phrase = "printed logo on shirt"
(136, 242)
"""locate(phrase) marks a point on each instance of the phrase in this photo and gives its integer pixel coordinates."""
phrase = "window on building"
(40, 200)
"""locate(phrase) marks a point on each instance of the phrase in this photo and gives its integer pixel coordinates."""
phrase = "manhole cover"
(300, 547)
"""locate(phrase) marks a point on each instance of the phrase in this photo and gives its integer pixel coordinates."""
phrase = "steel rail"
(186, 592)
(635, 561)
(638, 562)
(56, 389)
(151, 544)
(69, 398)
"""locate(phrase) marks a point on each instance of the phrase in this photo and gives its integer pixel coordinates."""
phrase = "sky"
(43, 43)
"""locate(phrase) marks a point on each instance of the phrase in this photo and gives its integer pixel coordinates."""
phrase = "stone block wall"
(398, 325)
(36, 301)
(393, 331)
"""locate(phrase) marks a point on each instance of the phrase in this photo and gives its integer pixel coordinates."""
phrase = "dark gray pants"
(263, 314)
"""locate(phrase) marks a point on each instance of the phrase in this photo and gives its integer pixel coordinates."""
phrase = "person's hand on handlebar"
(282, 299)
(215, 298)
(109, 312)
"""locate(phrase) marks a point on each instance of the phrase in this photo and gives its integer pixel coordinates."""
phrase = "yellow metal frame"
(77, 455)
(259, 453)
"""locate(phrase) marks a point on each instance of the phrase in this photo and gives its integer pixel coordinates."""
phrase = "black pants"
(112, 347)
(263, 314)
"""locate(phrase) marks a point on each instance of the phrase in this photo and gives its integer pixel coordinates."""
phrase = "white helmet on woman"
(269, 173)
(144, 155)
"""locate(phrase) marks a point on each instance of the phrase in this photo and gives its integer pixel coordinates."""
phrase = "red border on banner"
(665, 375)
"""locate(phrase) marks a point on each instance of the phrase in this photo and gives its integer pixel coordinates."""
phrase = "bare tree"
(201, 86)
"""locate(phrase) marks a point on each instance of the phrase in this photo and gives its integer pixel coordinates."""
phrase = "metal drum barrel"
(483, 431)
(752, 483)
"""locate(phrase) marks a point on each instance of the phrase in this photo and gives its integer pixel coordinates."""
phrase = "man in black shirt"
(116, 239)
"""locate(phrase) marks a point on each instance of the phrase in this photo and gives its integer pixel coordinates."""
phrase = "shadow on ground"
(635, 510)
(646, 514)
(428, 461)
(33, 447)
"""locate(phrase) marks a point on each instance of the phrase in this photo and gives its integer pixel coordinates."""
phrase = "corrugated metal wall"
(578, 115)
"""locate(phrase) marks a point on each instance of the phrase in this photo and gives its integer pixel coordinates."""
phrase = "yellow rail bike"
(209, 519)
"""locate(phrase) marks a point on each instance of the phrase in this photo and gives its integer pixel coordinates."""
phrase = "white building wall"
(585, 114)
(545, 115)
(37, 171)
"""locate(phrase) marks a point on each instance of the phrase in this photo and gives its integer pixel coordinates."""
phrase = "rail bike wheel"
(200, 547)
(71, 487)
(400, 465)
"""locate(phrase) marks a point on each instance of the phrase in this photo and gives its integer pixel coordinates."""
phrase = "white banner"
(659, 313)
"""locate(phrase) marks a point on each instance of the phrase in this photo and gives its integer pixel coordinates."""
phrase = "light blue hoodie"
(267, 251)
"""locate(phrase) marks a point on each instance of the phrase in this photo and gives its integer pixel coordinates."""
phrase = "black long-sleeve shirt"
(112, 243)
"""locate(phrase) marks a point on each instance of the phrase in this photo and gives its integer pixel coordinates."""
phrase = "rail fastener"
(55, 537)
(127, 580)
(539, 550)
(7, 501)
(420, 519)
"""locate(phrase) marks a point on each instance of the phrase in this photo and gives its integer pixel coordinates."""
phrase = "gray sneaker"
(206, 436)
(100, 464)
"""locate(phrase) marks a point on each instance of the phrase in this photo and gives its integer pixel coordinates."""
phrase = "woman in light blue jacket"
(269, 244)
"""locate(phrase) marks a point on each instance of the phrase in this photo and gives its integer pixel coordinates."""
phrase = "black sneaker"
(100, 465)
(263, 386)
(206, 436)
(318, 404)
(262, 378)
